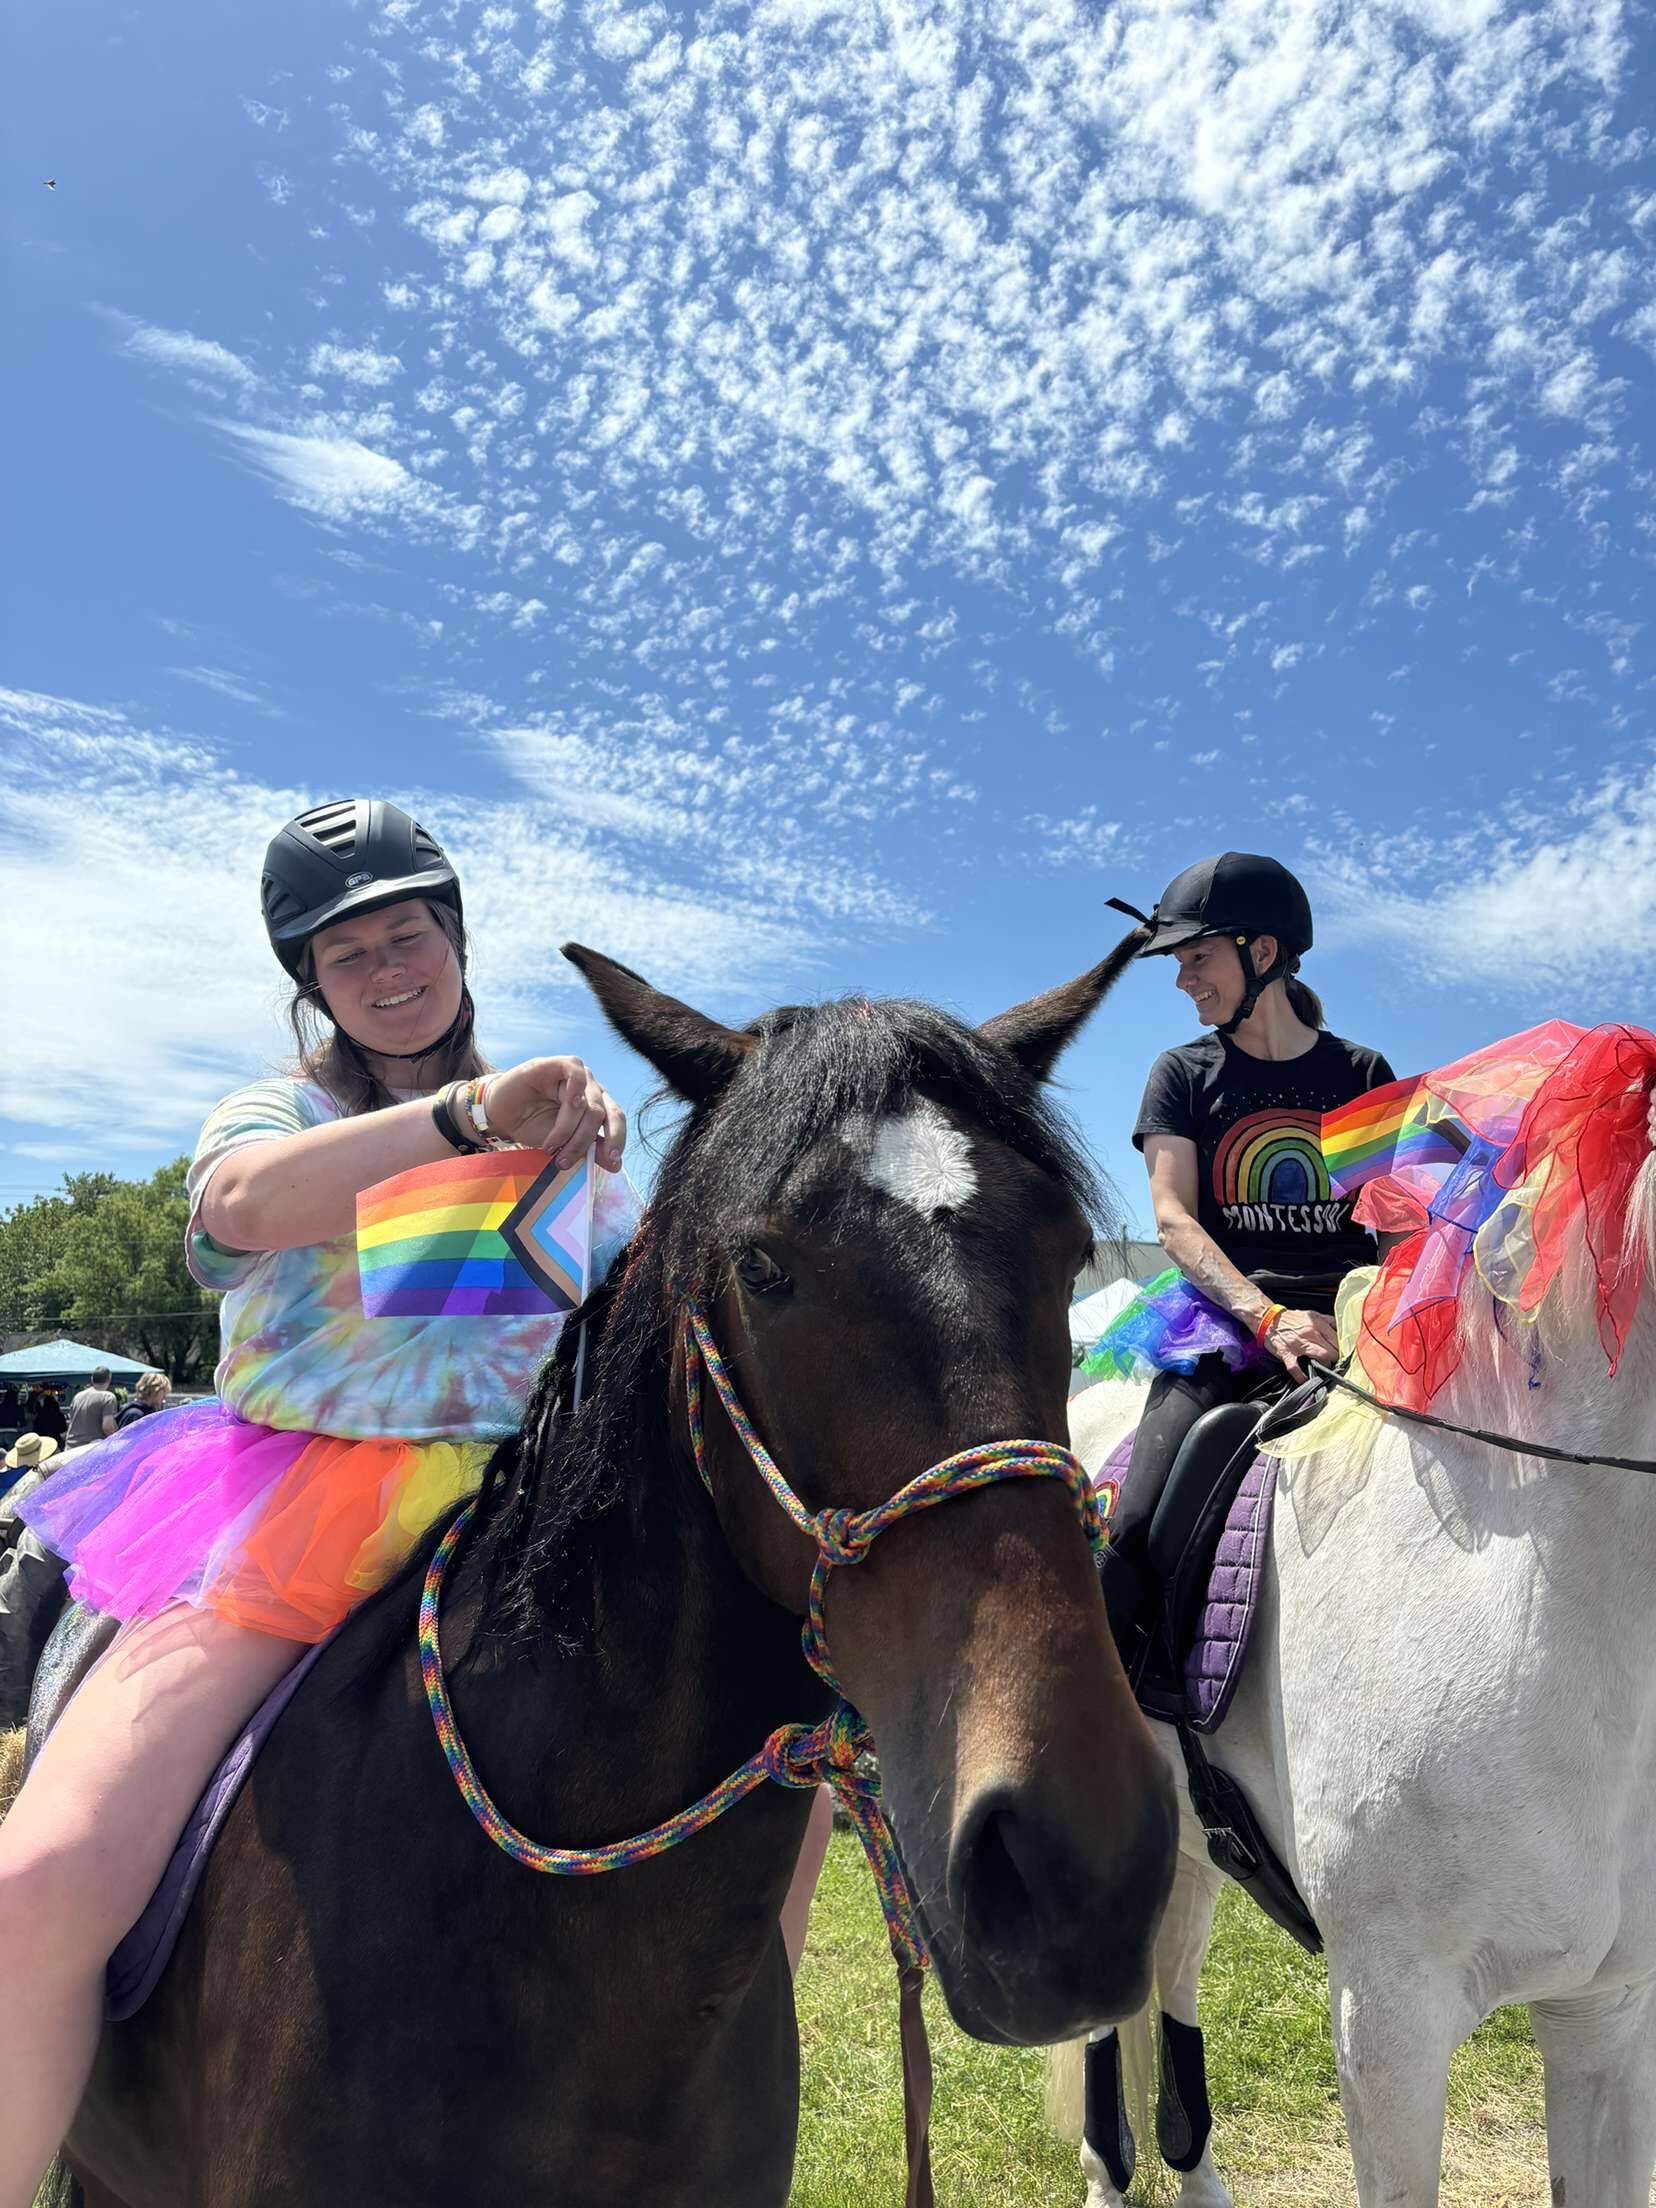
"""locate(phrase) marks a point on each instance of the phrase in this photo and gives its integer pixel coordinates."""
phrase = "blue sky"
(816, 497)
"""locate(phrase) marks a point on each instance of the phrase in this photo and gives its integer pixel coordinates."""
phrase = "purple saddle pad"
(1212, 1664)
(142, 1956)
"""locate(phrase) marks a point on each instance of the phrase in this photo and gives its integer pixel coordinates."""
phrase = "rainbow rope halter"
(831, 1753)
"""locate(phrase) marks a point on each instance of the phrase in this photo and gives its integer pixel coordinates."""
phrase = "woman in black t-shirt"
(1231, 1132)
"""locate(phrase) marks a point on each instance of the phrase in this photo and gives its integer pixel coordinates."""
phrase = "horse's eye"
(759, 1273)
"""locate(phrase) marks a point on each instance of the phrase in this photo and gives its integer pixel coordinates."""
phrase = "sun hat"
(30, 1451)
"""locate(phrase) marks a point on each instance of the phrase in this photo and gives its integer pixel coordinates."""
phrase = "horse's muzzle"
(1038, 1940)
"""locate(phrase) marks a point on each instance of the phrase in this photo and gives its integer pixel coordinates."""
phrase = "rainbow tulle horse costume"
(1491, 1168)
(1488, 1166)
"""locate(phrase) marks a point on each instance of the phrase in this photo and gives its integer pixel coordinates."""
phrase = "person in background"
(11, 1408)
(149, 1396)
(31, 1458)
(31, 1579)
(46, 1415)
(92, 1413)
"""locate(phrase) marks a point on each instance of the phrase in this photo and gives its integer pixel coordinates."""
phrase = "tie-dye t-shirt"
(296, 1350)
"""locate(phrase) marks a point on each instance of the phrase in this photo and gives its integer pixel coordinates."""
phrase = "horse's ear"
(1036, 1032)
(693, 1054)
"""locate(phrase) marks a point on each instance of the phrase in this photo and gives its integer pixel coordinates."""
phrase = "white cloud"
(200, 357)
(1083, 838)
(355, 364)
(172, 983)
(1564, 898)
(342, 480)
(237, 688)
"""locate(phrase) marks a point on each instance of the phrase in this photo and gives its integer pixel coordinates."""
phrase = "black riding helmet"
(1241, 894)
(352, 856)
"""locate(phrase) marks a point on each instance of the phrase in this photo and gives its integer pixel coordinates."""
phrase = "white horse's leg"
(1396, 2023)
(1106, 2112)
(1182, 2112)
(1600, 2057)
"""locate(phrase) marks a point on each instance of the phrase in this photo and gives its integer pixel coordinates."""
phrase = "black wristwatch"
(447, 1124)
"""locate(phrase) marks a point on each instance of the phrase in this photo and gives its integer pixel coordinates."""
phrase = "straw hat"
(30, 1452)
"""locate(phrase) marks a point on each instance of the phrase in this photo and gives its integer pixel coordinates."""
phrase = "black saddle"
(1184, 1537)
(1184, 1532)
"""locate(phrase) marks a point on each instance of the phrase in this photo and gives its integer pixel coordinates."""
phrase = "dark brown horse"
(370, 2005)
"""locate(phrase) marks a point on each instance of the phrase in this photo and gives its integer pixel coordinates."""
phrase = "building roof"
(65, 1360)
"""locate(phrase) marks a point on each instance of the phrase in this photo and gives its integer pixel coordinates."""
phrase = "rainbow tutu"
(1168, 1327)
(283, 1532)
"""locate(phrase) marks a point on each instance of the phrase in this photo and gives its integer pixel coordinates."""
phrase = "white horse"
(1448, 1729)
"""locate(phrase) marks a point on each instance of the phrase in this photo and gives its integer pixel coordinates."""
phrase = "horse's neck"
(1478, 1543)
(668, 1671)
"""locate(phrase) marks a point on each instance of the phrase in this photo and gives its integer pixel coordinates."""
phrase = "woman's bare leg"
(796, 1909)
(89, 1836)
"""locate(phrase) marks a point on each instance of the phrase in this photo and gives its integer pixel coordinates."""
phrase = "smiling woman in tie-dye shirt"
(229, 1534)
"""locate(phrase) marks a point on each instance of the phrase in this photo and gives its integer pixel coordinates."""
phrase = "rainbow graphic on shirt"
(507, 1233)
(1272, 1157)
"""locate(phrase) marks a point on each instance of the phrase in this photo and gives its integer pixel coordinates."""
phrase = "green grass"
(1278, 2134)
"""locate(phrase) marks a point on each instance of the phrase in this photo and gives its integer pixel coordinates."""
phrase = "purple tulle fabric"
(140, 1515)
(1167, 1327)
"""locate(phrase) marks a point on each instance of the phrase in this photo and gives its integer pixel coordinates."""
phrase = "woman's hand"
(555, 1104)
(1296, 1335)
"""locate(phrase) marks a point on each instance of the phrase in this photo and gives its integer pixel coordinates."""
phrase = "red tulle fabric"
(1565, 1114)
(1588, 1132)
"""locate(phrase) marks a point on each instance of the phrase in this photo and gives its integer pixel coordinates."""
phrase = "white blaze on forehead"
(919, 1157)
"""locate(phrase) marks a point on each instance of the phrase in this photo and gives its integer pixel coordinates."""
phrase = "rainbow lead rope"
(836, 1753)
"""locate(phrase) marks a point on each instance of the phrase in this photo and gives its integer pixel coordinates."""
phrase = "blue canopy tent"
(65, 1360)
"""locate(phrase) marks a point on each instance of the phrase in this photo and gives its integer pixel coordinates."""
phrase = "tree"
(106, 1259)
(31, 1235)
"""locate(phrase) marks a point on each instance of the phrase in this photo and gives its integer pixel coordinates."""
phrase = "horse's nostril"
(995, 1906)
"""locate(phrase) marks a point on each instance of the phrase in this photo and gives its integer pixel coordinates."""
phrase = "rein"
(1511, 1442)
(835, 1753)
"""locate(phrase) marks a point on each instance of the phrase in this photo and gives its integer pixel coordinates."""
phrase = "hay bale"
(12, 1745)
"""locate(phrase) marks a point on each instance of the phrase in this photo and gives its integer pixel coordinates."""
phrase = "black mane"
(555, 1492)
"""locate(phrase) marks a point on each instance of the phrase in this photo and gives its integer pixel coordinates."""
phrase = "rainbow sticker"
(506, 1233)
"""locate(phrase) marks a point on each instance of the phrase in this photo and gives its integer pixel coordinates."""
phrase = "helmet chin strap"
(1255, 985)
